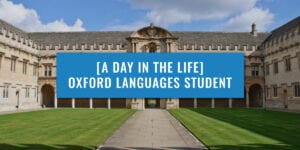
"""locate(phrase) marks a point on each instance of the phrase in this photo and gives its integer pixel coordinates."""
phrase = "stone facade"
(282, 61)
(18, 72)
(32, 83)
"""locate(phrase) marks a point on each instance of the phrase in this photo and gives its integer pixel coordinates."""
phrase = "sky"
(130, 15)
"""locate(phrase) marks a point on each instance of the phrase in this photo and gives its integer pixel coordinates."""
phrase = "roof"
(220, 38)
(287, 27)
(12, 28)
(56, 38)
(282, 30)
(119, 37)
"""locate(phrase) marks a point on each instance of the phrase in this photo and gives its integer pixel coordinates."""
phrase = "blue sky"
(193, 15)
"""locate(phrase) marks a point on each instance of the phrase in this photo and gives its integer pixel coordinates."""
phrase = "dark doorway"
(186, 102)
(255, 96)
(118, 102)
(285, 98)
(152, 103)
(152, 47)
(48, 95)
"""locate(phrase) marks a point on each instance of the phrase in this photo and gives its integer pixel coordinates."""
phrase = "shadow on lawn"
(280, 126)
(42, 147)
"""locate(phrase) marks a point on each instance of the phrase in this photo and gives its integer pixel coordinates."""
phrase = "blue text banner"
(150, 75)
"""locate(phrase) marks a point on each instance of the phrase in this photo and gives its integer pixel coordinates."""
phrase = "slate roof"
(220, 38)
(287, 27)
(11, 28)
(56, 38)
(118, 37)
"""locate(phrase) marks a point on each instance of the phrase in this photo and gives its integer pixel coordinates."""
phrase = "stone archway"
(48, 95)
(152, 103)
(152, 47)
(255, 95)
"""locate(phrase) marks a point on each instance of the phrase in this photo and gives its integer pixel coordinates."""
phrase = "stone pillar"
(39, 101)
(195, 102)
(230, 102)
(55, 101)
(143, 104)
(73, 102)
(247, 99)
(172, 103)
(168, 47)
(108, 103)
(137, 103)
(212, 103)
(91, 103)
(132, 46)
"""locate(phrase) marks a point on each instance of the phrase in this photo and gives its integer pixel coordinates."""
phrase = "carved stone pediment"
(152, 32)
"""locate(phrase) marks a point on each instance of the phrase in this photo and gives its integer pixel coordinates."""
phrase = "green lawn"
(60, 128)
(243, 129)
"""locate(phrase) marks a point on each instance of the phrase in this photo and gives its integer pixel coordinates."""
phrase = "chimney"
(253, 31)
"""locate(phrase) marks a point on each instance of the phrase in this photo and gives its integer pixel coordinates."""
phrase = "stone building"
(281, 51)
(28, 64)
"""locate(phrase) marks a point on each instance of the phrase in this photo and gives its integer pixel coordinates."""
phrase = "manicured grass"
(243, 129)
(60, 128)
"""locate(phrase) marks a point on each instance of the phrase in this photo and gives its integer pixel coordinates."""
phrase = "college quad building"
(272, 65)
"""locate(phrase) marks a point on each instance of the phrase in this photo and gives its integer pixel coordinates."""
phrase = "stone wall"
(277, 50)
(21, 81)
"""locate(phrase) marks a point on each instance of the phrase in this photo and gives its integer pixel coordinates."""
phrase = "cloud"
(262, 18)
(236, 15)
(127, 27)
(167, 12)
(28, 19)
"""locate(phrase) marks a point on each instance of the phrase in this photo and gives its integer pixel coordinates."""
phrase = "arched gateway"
(152, 39)
(255, 95)
(48, 95)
